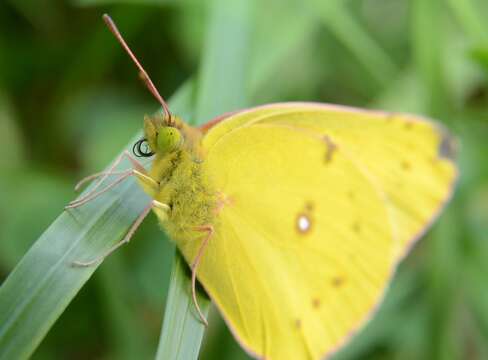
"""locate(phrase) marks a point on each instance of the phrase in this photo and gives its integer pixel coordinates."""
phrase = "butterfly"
(292, 216)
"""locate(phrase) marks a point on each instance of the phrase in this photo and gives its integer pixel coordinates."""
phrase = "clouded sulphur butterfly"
(293, 216)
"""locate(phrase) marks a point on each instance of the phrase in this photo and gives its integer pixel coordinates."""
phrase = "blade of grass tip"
(365, 49)
(221, 88)
(44, 282)
(471, 20)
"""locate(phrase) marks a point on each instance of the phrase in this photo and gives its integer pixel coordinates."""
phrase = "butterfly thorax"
(183, 185)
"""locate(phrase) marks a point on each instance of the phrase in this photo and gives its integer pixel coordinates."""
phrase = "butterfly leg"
(209, 230)
(105, 174)
(95, 176)
(137, 170)
(156, 205)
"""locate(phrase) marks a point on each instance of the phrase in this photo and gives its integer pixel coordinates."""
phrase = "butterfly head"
(161, 136)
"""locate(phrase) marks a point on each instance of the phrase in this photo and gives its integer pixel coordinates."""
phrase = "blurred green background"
(70, 100)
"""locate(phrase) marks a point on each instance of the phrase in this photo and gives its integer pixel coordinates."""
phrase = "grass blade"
(427, 39)
(182, 332)
(223, 73)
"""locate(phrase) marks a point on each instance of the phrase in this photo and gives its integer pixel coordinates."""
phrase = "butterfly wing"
(308, 230)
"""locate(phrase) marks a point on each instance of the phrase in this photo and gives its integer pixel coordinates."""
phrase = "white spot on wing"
(303, 223)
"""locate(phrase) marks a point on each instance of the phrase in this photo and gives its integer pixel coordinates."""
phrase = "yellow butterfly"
(293, 216)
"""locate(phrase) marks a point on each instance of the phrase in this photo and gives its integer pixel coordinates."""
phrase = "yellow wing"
(317, 205)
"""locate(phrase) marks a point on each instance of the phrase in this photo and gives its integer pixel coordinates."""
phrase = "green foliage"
(69, 102)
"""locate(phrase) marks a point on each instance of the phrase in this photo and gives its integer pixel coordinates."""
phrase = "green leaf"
(224, 68)
(182, 330)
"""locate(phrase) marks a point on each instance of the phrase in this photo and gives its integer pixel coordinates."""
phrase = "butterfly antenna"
(143, 74)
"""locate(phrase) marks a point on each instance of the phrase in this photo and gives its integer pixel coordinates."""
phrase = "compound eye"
(169, 139)
(142, 149)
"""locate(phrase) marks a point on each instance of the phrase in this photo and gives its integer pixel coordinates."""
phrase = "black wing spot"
(331, 149)
(338, 281)
(356, 227)
(351, 194)
(405, 165)
(316, 303)
(309, 206)
(448, 146)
